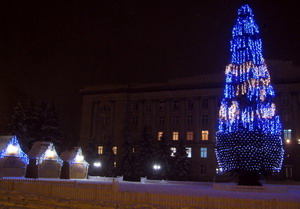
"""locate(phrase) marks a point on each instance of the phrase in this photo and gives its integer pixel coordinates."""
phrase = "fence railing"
(109, 194)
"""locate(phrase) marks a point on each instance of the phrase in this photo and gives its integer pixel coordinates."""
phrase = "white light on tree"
(12, 149)
(97, 164)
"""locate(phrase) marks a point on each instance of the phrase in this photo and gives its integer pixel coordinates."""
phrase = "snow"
(12, 199)
(283, 192)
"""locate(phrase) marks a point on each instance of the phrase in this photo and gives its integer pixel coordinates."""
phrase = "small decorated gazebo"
(43, 161)
(13, 161)
(74, 167)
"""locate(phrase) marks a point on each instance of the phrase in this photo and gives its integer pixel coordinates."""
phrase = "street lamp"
(97, 164)
(156, 167)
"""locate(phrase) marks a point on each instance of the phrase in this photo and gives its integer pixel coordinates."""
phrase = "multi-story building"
(185, 109)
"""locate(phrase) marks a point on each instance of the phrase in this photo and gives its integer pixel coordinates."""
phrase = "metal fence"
(110, 194)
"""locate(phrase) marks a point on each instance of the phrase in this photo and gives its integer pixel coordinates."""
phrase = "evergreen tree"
(19, 127)
(144, 155)
(248, 140)
(38, 122)
(181, 165)
(43, 123)
(162, 156)
(128, 164)
(91, 156)
(108, 159)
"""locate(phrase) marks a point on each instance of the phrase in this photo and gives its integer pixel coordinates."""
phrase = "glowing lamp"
(219, 170)
(156, 167)
(49, 154)
(97, 164)
(79, 158)
(288, 141)
(12, 149)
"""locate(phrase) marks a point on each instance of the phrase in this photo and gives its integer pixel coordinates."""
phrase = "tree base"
(249, 179)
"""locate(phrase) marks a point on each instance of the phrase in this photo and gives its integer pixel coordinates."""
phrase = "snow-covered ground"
(284, 192)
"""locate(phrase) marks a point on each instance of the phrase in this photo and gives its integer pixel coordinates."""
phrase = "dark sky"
(51, 49)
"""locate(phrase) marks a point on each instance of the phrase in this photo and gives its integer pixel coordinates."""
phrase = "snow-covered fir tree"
(180, 166)
(127, 166)
(144, 154)
(18, 126)
(162, 156)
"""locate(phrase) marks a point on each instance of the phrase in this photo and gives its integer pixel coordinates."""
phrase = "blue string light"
(13, 149)
(249, 130)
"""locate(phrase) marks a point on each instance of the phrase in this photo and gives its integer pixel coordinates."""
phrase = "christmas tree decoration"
(249, 130)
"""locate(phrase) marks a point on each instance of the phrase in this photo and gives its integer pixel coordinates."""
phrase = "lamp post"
(97, 164)
(156, 170)
(156, 167)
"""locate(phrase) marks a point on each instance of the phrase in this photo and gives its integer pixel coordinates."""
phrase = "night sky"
(51, 49)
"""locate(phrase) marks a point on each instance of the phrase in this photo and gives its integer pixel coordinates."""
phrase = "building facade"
(184, 109)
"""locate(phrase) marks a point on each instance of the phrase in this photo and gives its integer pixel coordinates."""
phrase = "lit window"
(159, 135)
(100, 150)
(115, 150)
(203, 152)
(287, 135)
(175, 135)
(205, 135)
(189, 135)
(189, 152)
(173, 151)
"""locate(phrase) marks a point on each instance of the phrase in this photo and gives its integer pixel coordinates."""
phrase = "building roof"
(38, 149)
(210, 80)
(70, 155)
(4, 140)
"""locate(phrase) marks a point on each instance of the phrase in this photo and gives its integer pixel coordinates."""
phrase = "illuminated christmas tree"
(249, 132)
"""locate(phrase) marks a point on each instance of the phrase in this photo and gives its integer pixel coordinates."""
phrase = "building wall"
(179, 107)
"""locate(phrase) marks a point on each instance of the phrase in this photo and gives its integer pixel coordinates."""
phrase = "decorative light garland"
(13, 149)
(79, 158)
(249, 130)
(50, 154)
